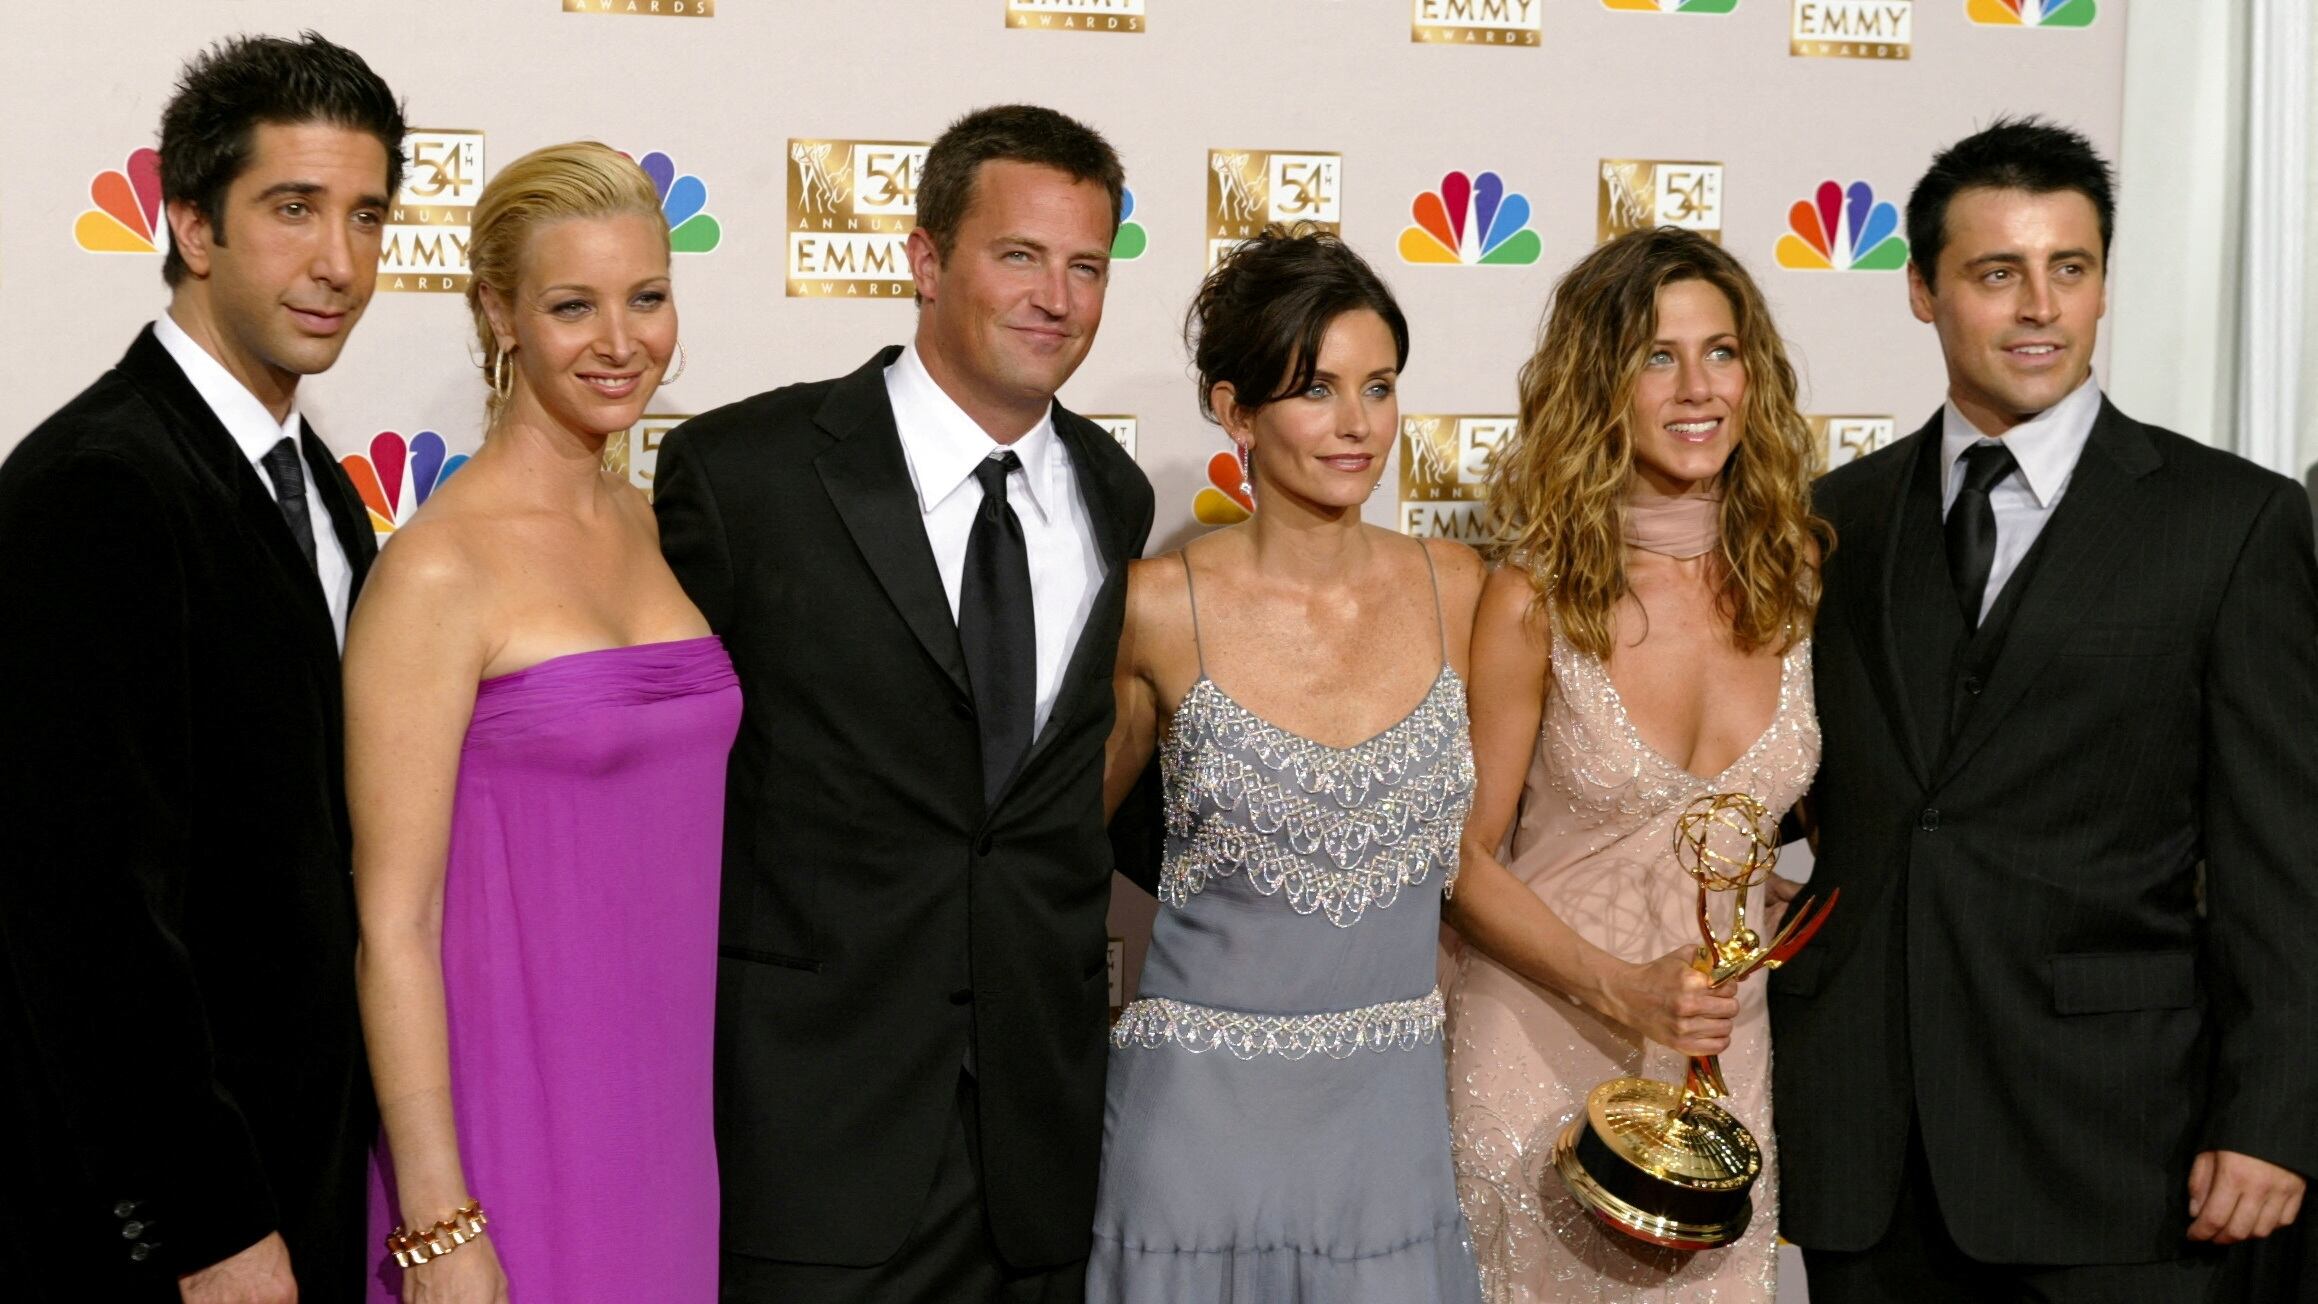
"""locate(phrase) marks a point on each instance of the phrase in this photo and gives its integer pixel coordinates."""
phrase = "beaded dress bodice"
(1290, 867)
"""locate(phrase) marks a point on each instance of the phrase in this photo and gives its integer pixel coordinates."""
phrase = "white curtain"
(2213, 321)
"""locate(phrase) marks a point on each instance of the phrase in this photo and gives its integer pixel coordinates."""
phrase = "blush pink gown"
(1593, 840)
(579, 973)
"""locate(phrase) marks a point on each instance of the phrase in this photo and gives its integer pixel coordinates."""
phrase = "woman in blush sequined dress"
(1644, 643)
(1275, 1128)
(537, 726)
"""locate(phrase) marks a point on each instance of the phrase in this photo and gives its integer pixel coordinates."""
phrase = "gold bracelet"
(414, 1247)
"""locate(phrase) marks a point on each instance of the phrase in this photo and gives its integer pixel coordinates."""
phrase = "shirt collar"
(943, 445)
(253, 428)
(2045, 446)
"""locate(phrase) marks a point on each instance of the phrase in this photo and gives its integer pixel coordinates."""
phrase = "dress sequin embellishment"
(1157, 1021)
(1335, 829)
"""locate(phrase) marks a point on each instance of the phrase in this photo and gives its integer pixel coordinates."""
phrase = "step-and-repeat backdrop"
(1470, 148)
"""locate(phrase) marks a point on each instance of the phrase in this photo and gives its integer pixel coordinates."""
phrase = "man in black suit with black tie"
(2055, 1043)
(189, 1103)
(919, 570)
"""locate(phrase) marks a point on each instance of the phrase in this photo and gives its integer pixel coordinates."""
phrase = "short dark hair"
(1258, 319)
(2026, 153)
(1022, 133)
(210, 126)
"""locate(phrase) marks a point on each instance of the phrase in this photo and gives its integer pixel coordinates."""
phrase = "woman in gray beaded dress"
(1276, 1127)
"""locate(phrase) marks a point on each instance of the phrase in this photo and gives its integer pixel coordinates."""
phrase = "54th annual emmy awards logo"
(425, 246)
(635, 455)
(852, 204)
(1444, 461)
(1848, 438)
(1076, 15)
(1638, 194)
(1117, 426)
(1250, 188)
(1475, 22)
(1853, 29)
(644, 8)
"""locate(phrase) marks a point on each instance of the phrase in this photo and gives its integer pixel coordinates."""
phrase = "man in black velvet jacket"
(187, 1106)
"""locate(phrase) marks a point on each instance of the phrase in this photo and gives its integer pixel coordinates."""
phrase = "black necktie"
(996, 629)
(290, 492)
(1972, 526)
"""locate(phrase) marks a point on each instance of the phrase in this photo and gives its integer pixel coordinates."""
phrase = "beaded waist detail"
(1157, 1021)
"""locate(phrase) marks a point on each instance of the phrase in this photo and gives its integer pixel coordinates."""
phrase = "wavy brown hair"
(1557, 491)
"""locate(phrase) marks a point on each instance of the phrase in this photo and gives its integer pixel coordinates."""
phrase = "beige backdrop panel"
(723, 95)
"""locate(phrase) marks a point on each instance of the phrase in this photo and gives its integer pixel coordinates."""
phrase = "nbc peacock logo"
(1843, 230)
(399, 475)
(127, 216)
(692, 229)
(1471, 221)
(1673, 6)
(1445, 461)
(1132, 239)
(1221, 501)
(2031, 13)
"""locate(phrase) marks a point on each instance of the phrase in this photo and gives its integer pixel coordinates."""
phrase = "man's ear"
(925, 264)
(190, 232)
(1919, 293)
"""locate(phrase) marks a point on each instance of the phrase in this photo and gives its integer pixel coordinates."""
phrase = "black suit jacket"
(878, 919)
(176, 922)
(2020, 961)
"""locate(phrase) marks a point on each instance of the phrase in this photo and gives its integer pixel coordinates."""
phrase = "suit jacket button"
(1972, 685)
(132, 1229)
(140, 1252)
(961, 708)
(124, 1208)
(1930, 821)
(982, 848)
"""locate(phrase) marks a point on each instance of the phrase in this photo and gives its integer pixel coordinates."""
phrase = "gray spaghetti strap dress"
(1276, 1127)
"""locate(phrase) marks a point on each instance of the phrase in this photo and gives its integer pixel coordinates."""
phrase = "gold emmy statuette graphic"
(1665, 1163)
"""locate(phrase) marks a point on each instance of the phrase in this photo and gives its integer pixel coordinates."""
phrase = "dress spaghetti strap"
(1440, 617)
(1191, 594)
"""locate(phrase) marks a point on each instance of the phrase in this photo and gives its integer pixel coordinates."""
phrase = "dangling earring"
(1247, 488)
(502, 377)
(669, 378)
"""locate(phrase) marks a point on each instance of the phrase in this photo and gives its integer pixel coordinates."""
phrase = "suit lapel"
(1105, 496)
(154, 372)
(2081, 545)
(1874, 621)
(868, 480)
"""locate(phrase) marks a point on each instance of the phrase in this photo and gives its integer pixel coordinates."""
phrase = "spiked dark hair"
(210, 126)
(1023, 133)
(2025, 153)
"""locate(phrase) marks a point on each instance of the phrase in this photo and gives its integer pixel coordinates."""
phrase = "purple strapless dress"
(579, 972)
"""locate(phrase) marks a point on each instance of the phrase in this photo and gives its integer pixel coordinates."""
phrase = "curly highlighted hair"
(1557, 491)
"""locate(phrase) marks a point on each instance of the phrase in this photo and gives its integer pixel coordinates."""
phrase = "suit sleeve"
(1138, 829)
(2261, 848)
(97, 729)
(692, 534)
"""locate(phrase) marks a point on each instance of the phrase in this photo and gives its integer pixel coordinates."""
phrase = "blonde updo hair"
(579, 179)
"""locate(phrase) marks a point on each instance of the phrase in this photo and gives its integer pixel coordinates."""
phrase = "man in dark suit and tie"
(919, 570)
(189, 1104)
(2055, 1043)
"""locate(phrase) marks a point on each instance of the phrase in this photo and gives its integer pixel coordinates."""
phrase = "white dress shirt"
(943, 446)
(2046, 448)
(256, 431)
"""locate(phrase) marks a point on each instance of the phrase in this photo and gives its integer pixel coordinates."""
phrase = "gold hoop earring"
(669, 377)
(502, 377)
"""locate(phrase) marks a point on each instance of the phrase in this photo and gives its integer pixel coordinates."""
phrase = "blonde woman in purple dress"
(537, 725)
(1643, 643)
